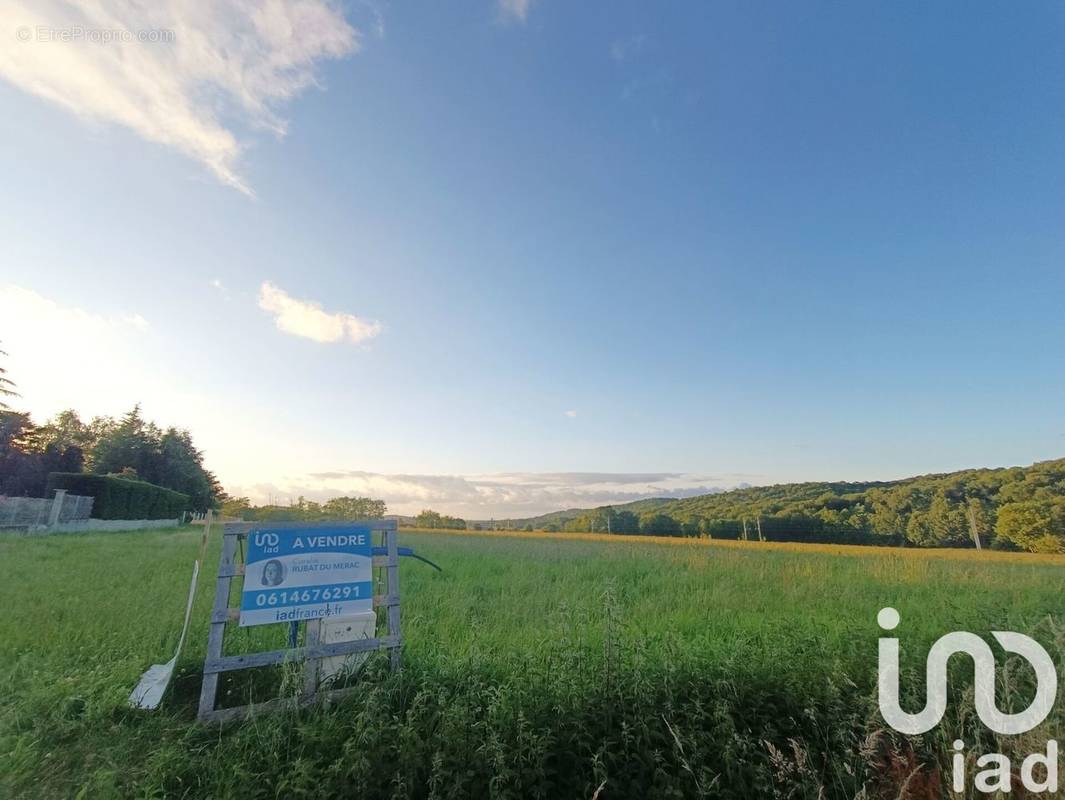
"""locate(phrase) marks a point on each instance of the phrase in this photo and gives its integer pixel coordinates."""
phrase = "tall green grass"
(533, 667)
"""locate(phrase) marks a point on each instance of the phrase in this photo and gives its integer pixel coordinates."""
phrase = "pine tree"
(7, 386)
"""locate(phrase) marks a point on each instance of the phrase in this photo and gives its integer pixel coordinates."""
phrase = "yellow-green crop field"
(535, 665)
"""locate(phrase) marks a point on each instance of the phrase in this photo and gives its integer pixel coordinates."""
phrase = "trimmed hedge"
(121, 498)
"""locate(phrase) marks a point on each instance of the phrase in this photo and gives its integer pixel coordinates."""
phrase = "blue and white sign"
(297, 574)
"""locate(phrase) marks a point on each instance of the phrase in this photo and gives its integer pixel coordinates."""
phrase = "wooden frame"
(221, 614)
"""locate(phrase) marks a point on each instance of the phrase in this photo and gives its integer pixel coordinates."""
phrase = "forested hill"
(1012, 508)
(557, 520)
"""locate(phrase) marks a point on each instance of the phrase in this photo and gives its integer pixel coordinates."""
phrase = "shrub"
(121, 498)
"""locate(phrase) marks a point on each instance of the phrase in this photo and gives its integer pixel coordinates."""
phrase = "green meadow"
(534, 666)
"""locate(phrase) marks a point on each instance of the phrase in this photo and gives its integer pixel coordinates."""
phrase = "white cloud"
(624, 49)
(136, 321)
(307, 319)
(571, 414)
(515, 9)
(20, 307)
(501, 495)
(102, 362)
(63, 356)
(231, 59)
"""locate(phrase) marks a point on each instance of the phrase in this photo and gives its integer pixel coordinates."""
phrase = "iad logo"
(984, 662)
(997, 778)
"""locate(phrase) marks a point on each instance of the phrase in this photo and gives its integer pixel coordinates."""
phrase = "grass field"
(535, 666)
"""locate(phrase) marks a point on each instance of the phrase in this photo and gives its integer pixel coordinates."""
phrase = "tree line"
(129, 447)
(304, 510)
(1017, 508)
(435, 521)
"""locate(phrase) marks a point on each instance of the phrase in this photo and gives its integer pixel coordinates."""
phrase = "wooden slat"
(392, 543)
(280, 704)
(218, 629)
(310, 665)
(271, 657)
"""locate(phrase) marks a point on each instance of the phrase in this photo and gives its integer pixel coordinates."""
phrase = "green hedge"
(120, 498)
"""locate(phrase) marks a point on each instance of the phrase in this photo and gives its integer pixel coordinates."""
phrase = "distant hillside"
(1020, 508)
(560, 518)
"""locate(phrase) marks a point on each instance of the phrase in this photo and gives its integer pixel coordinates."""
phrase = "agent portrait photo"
(273, 573)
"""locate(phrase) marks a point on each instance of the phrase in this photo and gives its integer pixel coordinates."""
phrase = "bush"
(121, 498)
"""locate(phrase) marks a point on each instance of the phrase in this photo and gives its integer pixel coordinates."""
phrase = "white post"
(57, 506)
(972, 525)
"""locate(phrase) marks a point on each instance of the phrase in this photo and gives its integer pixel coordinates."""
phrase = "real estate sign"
(297, 574)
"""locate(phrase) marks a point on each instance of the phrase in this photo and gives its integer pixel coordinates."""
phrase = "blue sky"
(588, 251)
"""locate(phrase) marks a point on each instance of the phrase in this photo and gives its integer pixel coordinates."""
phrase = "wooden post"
(218, 623)
(207, 522)
(310, 666)
(392, 545)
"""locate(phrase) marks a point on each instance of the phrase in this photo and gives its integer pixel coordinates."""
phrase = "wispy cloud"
(219, 286)
(169, 70)
(624, 49)
(55, 352)
(20, 305)
(515, 10)
(307, 319)
(572, 414)
(511, 494)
